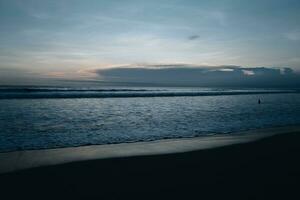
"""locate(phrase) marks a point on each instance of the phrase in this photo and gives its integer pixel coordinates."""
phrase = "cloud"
(16, 76)
(189, 75)
(193, 37)
(226, 70)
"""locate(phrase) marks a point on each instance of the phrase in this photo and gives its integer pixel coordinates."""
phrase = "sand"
(265, 164)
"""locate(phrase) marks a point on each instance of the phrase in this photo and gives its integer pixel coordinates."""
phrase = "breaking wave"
(39, 93)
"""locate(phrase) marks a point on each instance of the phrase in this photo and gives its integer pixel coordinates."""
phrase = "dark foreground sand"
(265, 169)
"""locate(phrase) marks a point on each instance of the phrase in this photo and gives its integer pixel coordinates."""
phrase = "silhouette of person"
(259, 101)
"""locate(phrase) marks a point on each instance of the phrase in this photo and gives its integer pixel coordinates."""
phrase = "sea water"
(51, 117)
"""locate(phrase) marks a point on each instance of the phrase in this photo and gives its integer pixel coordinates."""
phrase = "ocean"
(53, 117)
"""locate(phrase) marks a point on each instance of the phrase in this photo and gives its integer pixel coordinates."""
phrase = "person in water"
(259, 101)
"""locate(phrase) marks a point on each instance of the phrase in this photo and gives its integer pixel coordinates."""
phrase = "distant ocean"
(51, 117)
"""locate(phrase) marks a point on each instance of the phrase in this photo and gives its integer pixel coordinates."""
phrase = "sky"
(77, 39)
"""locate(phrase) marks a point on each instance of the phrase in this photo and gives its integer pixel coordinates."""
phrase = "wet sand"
(264, 165)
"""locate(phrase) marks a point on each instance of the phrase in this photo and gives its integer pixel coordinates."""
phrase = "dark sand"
(265, 169)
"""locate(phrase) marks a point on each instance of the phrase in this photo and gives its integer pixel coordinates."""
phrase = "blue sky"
(70, 38)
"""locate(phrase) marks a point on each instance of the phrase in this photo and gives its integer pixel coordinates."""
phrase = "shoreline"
(26, 159)
(264, 168)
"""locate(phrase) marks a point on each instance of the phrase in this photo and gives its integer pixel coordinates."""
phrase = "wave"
(122, 93)
(14, 90)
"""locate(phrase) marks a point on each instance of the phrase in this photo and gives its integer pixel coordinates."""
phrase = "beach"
(136, 99)
(256, 167)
